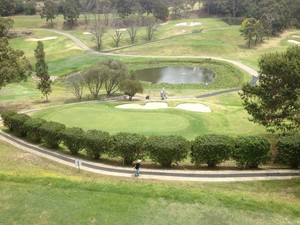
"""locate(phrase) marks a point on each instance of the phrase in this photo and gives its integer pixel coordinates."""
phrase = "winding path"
(182, 175)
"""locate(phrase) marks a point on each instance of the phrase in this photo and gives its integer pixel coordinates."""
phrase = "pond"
(176, 75)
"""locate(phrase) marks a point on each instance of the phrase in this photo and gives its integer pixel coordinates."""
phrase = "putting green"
(231, 120)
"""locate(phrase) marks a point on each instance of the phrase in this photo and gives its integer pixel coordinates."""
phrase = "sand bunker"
(87, 33)
(296, 36)
(41, 39)
(193, 107)
(186, 24)
(162, 24)
(162, 105)
(293, 41)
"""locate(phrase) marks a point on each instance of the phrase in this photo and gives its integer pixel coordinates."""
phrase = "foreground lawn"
(34, 190)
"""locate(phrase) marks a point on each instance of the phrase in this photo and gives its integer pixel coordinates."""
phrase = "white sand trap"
(186, 24)
(193, 107)
(162, 24)
(296, 36)
(87, 33)
(41, 39)
(293, 41)
(122, 29)
(150, 105)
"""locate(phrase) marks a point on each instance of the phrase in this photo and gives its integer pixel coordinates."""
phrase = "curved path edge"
(179, 175)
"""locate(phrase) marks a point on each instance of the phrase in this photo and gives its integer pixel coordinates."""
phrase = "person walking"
(137, 167)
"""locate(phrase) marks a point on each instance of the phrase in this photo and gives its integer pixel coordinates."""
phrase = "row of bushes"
(247, 151)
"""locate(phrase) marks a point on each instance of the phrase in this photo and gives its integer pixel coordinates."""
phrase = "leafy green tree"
(49, 11)
(51, 133)
(6, 116)
(251, 151)
(160, 10)
(71, 12)
(96, 143)
(32, 126)
(5, 25)
(289, 150)
(95, 77)
(248, 30)
(131, 87)
(116, 73)
(7, 7)
(73, 139)
(274, 101)
(41, 70)
(128, 146)
(14, 66)
(167, 149)
(211, 149)
(29, 7)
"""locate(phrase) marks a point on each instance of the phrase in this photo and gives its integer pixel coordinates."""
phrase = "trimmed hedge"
(211, 149)
(17, 124)
(73, 139)
(129, 146)
(251, 151)
(289, 151)
(51, 133)
(6, 115)
(96, 143)
(167, 149)
(32, 126)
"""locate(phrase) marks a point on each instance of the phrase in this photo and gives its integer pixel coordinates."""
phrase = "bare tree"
(76, 83)
(150, 24)
(99, 31)
(132, 23)
(118, 35)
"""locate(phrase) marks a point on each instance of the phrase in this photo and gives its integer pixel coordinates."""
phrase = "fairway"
(104, 116)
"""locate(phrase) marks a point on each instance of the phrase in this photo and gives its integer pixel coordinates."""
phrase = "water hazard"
(176, 75)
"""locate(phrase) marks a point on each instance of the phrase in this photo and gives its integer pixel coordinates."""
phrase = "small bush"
(96, 143)
(32, 127)
(17, 124)
(51, 133)
(289, 151)
(167, 149)
(73, 138)
(211, 149)
(251, 151)
(128, 146)
(6, 115)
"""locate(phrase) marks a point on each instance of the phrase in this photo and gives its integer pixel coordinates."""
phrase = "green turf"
(34, 190)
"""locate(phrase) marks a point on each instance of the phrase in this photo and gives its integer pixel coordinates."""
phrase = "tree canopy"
(274, 101)
(14, 66)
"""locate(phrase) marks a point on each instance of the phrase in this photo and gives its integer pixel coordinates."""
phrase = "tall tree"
(49, 11)
(14, 66)
(98, 31)
(71, 11)
(41, 70)
(248, 30)
(274, 102)
(116, 73)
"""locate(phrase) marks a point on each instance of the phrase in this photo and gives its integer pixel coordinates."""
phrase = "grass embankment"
(34, 190)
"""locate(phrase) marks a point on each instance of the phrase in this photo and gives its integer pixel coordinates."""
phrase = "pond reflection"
(176, 75)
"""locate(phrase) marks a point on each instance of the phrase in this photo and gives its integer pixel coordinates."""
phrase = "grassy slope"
(34, 190)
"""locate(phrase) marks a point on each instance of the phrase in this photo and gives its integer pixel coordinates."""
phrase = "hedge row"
(248, 152)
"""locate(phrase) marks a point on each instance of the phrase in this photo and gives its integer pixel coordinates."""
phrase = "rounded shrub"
(32, 127)
(251, 151)
(289, 151)
(167, 149)
(97, 142)
(51, 133)
(17, 123)
(211, 149)
(129, 146)
(6, 115)
(73, 139)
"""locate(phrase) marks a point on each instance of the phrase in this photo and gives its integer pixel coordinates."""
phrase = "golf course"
(38, 190)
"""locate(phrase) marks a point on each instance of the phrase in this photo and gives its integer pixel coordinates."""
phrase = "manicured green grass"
(230, 119)
(34, 190)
